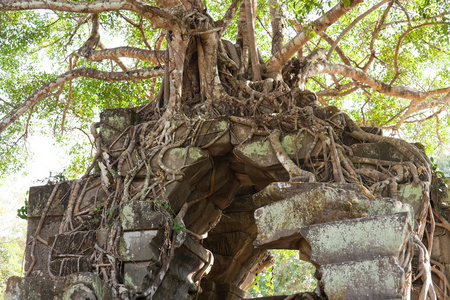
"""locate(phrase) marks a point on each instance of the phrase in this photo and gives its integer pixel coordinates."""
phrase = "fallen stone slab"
(380, 278)
(359, 239)
(279, 223)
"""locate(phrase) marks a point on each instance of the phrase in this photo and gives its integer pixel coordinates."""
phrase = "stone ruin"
(194, 218)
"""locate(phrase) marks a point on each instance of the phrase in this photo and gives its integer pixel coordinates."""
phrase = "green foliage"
(288, 275)
(22, 212)
(11, 252)
(178, 227)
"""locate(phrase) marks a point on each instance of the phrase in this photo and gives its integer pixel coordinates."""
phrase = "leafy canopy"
(375, 47)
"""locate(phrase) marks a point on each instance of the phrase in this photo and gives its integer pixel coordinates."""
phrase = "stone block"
(113, 123)
(380, 278)
(277, 191)
(215, 137)
(30, 288)
(49, 229)
(380, 150)
(69, 265)
(74, 242)
(258, 152)
(139, 246)
(140, 215)
(39, 196)
(136, 275)
(359, 239)
(279, 223)
(412, 194)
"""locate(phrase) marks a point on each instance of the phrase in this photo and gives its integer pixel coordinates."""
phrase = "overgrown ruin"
(234, 156)
(189, 213)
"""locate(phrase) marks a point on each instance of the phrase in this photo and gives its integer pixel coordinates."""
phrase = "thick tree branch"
(154, 56)
(228, 17)
(250, 14)
(159, 17)
(85, 72)
(397, 91)
(275, 63)
(276, 17)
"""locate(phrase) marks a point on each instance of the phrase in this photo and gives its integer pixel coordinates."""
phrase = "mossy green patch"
(292, 143)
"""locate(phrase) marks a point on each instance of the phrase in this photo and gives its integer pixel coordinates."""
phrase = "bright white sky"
(45, 158)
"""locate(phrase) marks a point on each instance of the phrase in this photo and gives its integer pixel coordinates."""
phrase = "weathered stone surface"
(279, 223)
(227, 244)
(213, 135)
(207, 212)
(351, 280)
(86, 284)
(49, 229)
(69, 265)
(188, 261)
(359, 239)
(137, 246)
(411, 193)
(140, 215)
(441, 246)
(74, 242)
(135, 275)
(277, 191)
(259, 153)
(380, 150)
(30, 288)
(39, 195)
(113, 123)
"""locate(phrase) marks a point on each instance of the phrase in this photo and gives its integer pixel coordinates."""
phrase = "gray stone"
(137, 246)
(49, 229)
(112, 123)
(359, 239)
(140, 215)
(135, 275)
(86, 283)
(279, 223)
(380, 150)
(30, 288)
(380, 278)
(258, 152)
(412, 194)
(39, 196)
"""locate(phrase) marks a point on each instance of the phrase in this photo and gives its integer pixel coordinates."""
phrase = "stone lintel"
(280, 222)
(380, 278)
(359, 239)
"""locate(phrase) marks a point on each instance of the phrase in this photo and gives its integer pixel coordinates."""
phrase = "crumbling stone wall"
(193, 218)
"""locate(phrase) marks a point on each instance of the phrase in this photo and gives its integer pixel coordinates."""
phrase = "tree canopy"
(386, 63)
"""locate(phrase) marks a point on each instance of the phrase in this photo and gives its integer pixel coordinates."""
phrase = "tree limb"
(275, 63)
(154, 56)
(228, 17)
(250, 14)
(277, 25)
(397, 91)
(84, 72)
(159, 17)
